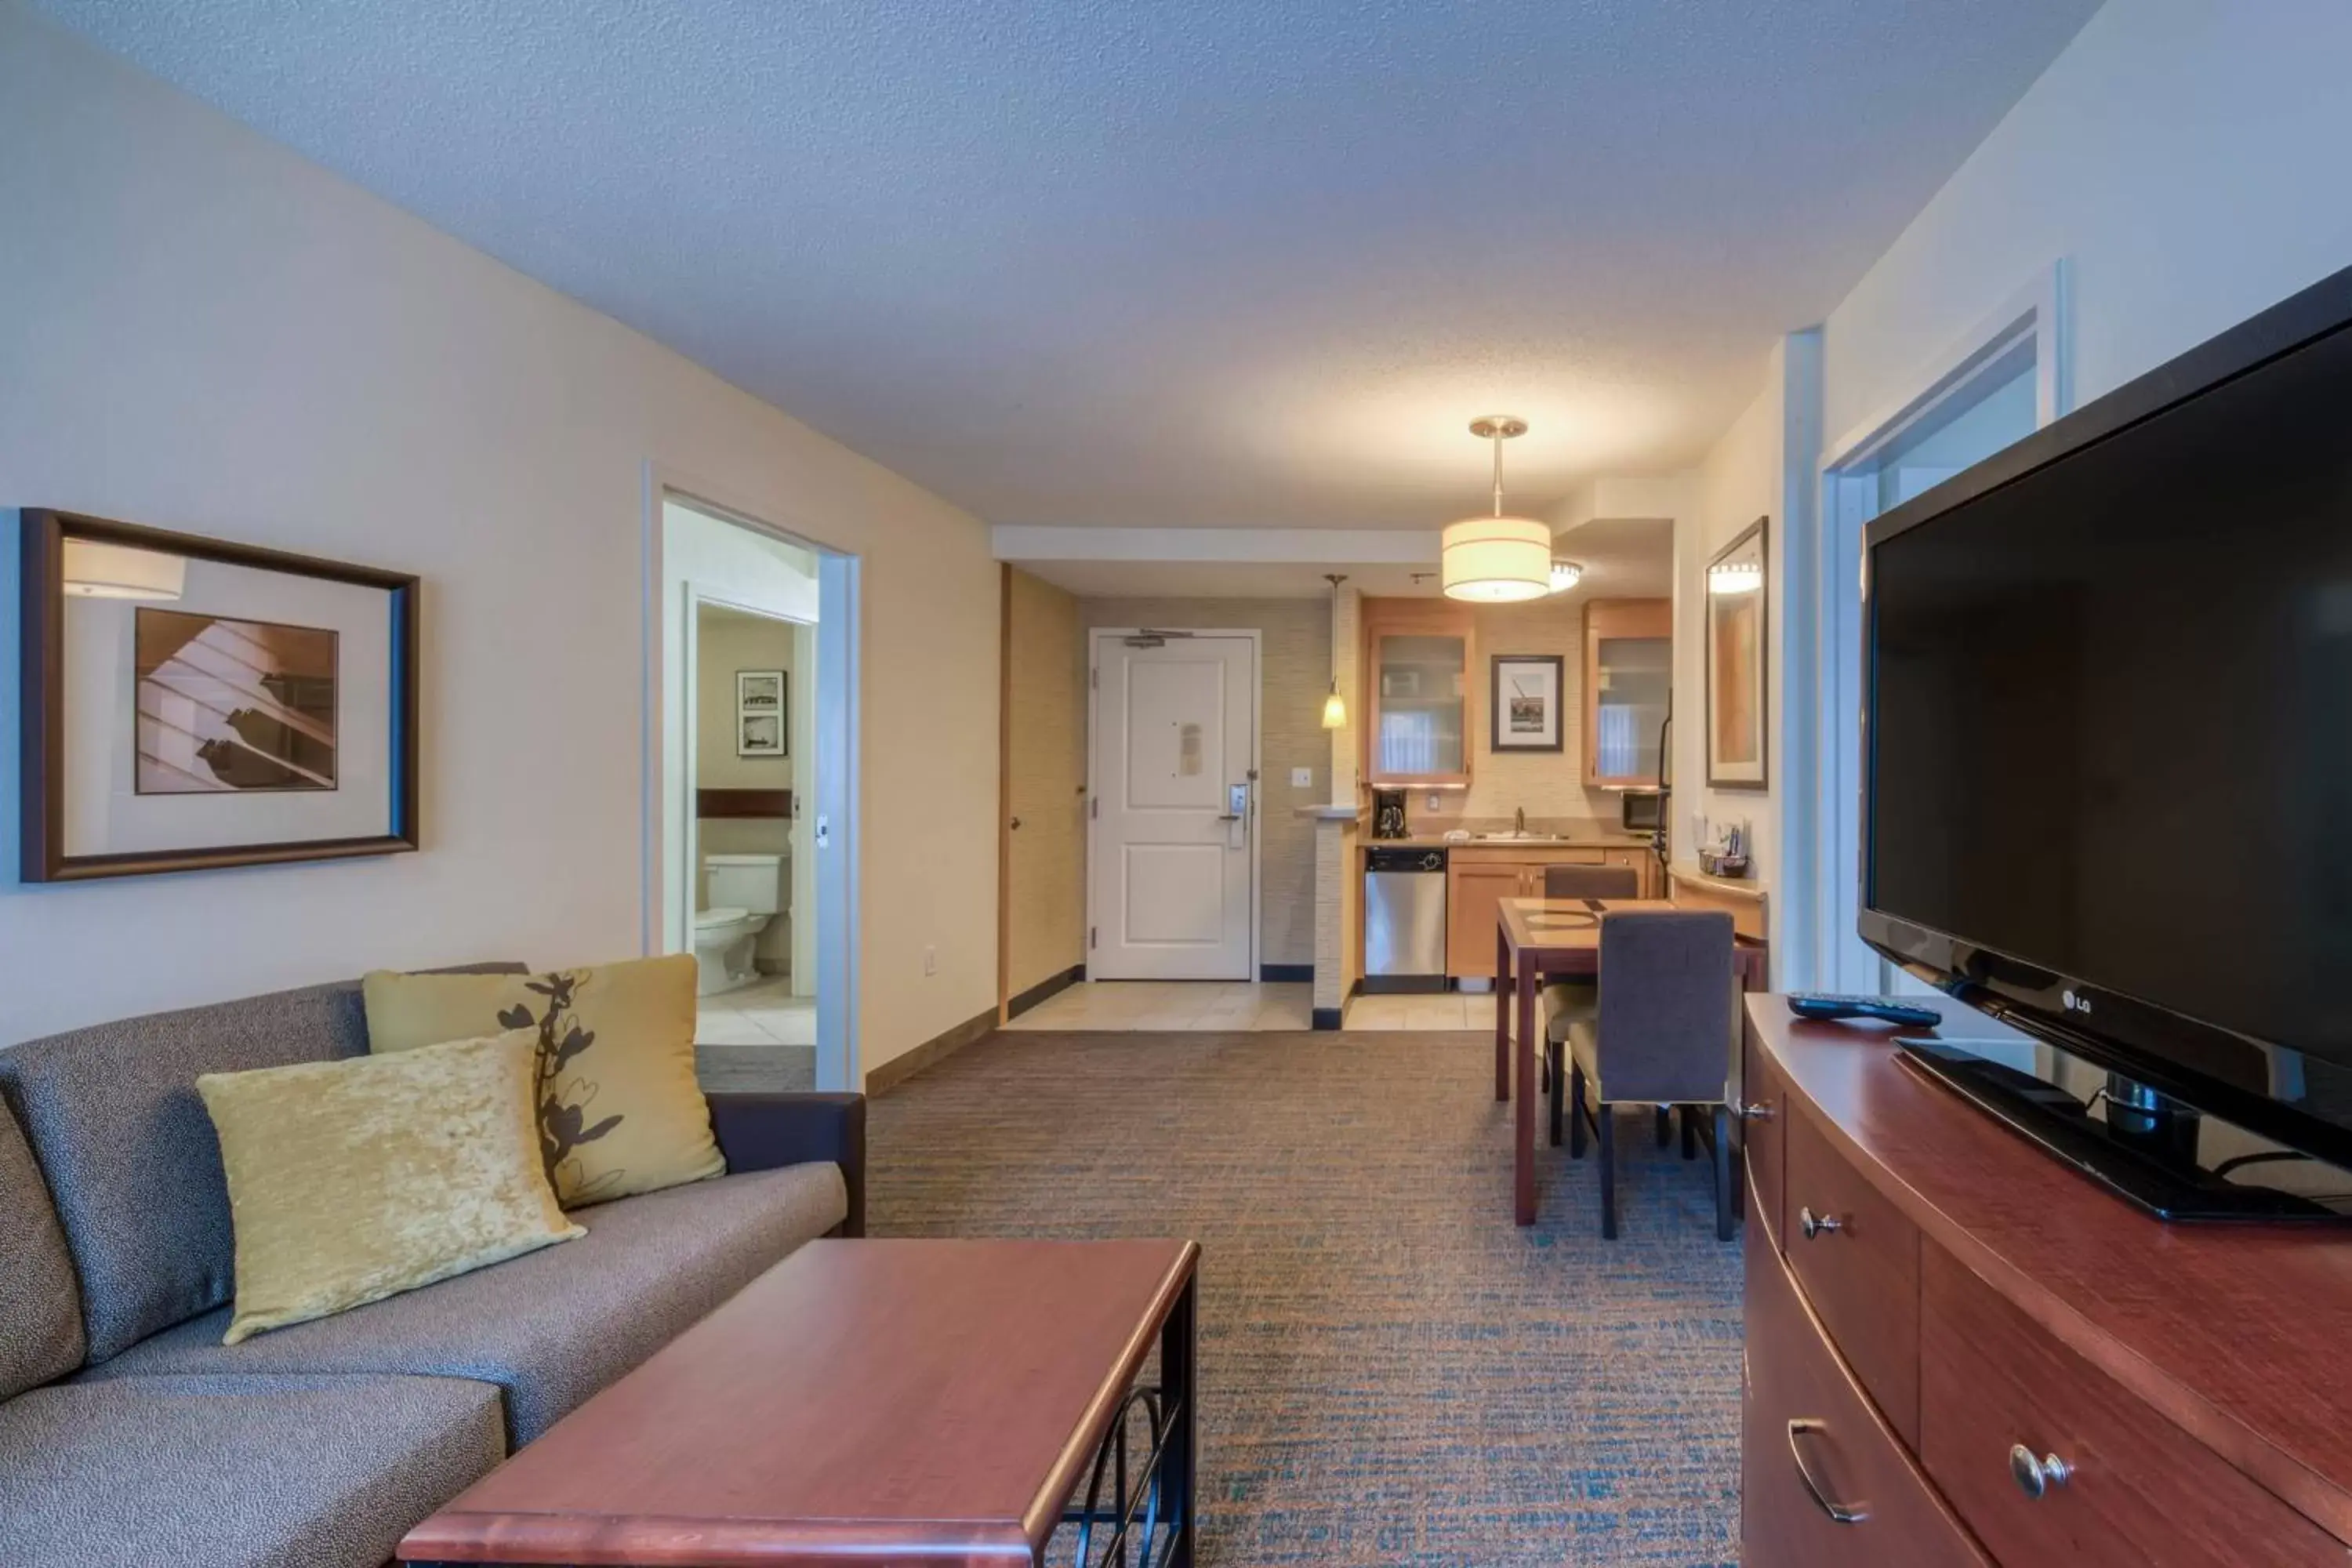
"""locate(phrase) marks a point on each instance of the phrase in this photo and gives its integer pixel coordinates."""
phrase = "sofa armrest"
(766, 1132)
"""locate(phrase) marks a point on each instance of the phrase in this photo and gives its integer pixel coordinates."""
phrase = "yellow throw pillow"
(619, 1109)
(351, 1181)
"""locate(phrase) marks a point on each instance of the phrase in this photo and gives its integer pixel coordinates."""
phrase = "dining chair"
(1568, 998)
(1661, 1035)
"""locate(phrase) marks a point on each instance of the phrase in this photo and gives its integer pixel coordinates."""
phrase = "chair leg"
(1726, 1193)
(1605, 1118)
(1575, 1112)
(1558, 1088)
(1690, 1131)
(1665, 1124)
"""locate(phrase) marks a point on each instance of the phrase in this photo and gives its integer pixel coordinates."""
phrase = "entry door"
(1174, 817)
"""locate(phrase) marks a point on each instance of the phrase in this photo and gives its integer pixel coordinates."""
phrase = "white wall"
(199, 330)
(2185, 155)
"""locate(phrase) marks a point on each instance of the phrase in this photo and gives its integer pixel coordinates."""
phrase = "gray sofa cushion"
(553, 1327)
(112, 1114)
(40, 1310)
(244, 1472)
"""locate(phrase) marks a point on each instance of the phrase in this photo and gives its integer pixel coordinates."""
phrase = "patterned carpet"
(1393, 1372)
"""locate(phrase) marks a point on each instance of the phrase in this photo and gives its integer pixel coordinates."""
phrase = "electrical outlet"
(931, 961)
(1302, 778)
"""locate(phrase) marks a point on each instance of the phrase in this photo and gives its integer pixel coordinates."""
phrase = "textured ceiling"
(1223, 262)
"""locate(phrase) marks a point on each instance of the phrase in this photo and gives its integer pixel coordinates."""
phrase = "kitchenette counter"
(1581, 841)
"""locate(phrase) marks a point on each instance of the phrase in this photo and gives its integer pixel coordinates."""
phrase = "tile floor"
(760, 1037)
(1235, 1006)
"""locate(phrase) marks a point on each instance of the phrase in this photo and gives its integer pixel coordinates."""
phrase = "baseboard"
(1402, 985)
(1287, 974)
(1328, 1018)
(1051, 985)
(881, 1080)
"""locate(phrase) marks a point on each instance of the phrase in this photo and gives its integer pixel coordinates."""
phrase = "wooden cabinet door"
(1474, 893)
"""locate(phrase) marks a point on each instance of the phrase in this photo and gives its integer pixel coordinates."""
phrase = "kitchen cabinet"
(1418, 657)
(1629, 670)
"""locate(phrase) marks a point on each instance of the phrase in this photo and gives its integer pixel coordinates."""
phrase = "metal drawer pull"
(1843, 1513)
(2035, 1477)
(1760, 1111)
(1818, 1225)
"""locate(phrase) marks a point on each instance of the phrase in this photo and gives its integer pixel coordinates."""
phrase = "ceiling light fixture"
(92, 569)
(1335, 707)
(1496, 560)
(1566, 574)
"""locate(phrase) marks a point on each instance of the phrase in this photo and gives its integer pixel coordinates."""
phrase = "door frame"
(1253, 826)
(834, 727)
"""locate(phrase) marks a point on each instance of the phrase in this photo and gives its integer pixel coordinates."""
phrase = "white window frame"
(1821, 952)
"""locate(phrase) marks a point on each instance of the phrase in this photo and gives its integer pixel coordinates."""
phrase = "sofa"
(129, 1436)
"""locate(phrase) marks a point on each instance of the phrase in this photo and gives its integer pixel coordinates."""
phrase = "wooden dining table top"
(1546, 923)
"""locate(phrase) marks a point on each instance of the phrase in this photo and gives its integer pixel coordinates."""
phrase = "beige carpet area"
(1393, 1372)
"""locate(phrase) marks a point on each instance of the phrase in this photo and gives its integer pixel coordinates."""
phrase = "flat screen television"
(2107, 729)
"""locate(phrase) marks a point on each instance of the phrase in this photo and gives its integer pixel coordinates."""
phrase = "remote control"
(1822, 1007)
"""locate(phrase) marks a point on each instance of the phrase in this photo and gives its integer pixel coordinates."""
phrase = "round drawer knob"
(1818, 1225)
(2036, 1477)
(1760, 1111)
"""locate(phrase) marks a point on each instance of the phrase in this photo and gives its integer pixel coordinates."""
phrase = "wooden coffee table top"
(861, 1401)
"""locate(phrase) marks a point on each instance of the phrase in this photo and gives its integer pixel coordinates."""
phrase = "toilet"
(745, 893)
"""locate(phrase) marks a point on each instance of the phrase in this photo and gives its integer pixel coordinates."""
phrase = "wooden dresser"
(1961, 1353)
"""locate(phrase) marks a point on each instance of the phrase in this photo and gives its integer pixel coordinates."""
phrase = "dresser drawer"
(1858, 1258)
(2139, 1489)
(1764, 1096)
(1812, 1441)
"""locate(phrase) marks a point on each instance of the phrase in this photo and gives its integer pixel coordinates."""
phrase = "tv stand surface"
(1986, 1309)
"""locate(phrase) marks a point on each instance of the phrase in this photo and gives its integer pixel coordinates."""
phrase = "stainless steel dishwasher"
(1404, 920)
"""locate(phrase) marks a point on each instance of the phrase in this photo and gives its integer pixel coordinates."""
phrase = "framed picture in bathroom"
(192, 704)
(760, 709)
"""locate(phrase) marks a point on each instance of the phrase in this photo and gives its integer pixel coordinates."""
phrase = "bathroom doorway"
(750, 869)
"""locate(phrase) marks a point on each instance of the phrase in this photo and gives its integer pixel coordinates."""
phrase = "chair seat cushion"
(552, 1327)
(1565, 1001)
(236, 1472)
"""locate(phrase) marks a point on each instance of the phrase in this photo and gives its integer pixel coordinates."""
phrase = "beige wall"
(1548, 785)
(1045, 778)
(729, 642)
(1294, 676)
(204, 331)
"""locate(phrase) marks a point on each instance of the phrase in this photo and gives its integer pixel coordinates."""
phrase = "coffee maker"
(1388, 813)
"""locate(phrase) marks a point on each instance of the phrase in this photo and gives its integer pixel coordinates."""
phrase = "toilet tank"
(750, 882)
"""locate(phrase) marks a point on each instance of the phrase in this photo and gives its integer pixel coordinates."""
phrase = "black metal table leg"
(1180, 1384)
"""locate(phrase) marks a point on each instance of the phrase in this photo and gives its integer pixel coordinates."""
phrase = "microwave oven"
(1642, 810)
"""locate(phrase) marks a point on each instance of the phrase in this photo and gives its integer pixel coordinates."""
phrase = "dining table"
(1543, 939)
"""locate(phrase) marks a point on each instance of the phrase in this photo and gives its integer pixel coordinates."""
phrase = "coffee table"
(873, 1402)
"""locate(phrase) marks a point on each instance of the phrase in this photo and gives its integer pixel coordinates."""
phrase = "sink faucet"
(1520, 822)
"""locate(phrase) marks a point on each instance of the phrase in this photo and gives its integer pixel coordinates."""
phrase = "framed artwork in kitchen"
(1525, 705)
(191, 703)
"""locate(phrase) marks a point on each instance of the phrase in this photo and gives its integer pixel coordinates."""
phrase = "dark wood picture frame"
(42, 539)
(1495, 740)
(1761, 533)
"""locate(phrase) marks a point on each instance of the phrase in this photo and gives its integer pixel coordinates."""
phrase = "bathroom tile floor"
(758, 1038)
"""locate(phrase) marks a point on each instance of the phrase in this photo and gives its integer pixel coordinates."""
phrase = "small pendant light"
(1335, 707)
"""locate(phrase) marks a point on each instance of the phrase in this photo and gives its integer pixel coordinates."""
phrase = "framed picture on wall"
(1738, 605)
(1525, 706)
(761, 705)
(192, 704)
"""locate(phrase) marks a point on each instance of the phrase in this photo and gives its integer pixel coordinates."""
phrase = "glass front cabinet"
(1418, 657)
(1629, 671)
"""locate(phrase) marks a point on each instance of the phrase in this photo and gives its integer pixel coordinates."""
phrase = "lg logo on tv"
(2076, 1003)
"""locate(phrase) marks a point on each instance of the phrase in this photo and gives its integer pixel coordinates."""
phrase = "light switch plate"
(1302, 778)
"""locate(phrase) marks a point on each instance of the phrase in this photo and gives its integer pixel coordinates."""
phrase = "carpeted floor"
(1393, 1372)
